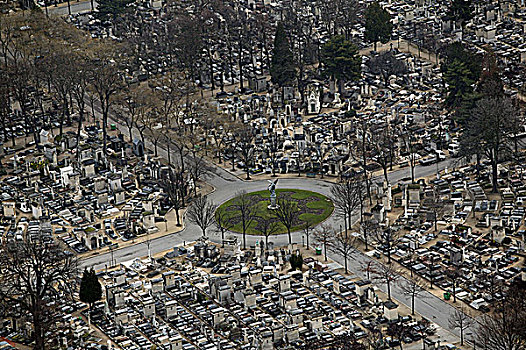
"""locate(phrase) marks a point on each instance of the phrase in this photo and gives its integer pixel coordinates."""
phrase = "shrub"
(296, 262)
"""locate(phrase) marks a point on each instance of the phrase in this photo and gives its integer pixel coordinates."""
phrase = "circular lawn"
(313, 208)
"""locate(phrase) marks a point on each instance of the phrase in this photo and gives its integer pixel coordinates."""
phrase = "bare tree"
(411, 288)
(246, 206)
(347, 196)
(268, 226)
(222, 222)
(369, 228)
(490, 131)
(35, 274)
(410, 144)
(323, 235)
(197, 169)
(106, 82)
(397, 330)
(453, 274)
(375, 339)
(132, 100)
(505, 329)
(343, 244)
(386, 273)
(386, 238)
(386, 64)
(435, 205)
(245, 139)
(201, 213)
(172, 184)
(307, 227)
(382, 143)
(79, 91)
(459, 319)
(287, 213)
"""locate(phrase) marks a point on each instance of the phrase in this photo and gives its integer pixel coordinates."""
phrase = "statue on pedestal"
(272, 189)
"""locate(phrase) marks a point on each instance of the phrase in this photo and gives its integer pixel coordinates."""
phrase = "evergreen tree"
(282, 68)
(459, 84)
(378, 26)
(90, 288)
(111, 9)
(340, 60)
(457, 51)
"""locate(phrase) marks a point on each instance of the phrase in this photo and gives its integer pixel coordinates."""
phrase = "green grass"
(319, 202)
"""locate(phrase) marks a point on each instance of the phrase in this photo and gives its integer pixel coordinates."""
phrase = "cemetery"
(140, 126)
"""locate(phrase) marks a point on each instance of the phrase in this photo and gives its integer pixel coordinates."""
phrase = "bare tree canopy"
(347, 196)
(34, 274)
(323, 235)
(201, 213)
(489, 132)
(288, 214)
(247, 209)
(343, 244)
(505, 329)
(459, 319)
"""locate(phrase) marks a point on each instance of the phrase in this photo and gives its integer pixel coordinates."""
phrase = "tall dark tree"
(457, 51)
(378, 26)
(489, 132)
(505, 328)
(282, 68)
(340, 60)
(459, 84)
(109, 10)
(34, 276)
(90, 288)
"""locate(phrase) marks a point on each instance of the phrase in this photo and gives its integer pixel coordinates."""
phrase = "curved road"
(226, 185)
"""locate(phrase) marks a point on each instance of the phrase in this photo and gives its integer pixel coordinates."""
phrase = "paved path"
(227, 185)
(76, 7)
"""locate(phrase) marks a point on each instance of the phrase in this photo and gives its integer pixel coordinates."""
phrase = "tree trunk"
(177, 216)
(244, 239)
(494, 173)
(290, 236)
(37, 328)
(79, 129)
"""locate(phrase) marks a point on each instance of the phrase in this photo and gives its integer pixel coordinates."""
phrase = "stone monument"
(272, 189)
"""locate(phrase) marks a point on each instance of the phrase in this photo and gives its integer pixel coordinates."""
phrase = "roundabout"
(312, 208)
